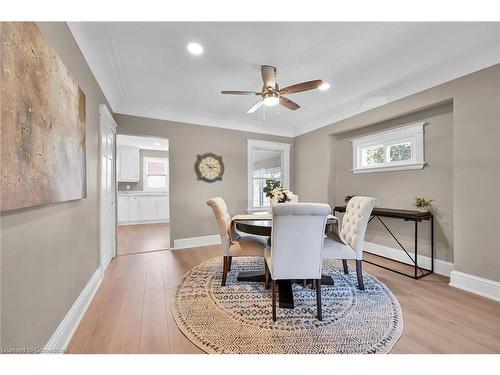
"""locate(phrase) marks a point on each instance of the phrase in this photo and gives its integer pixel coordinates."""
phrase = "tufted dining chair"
(296, 246)
(351, 239)
(233, 246)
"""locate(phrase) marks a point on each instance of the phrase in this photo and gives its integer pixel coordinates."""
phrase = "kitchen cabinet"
(143, 208)
(123, 209)
(163, 209)
(127, 163)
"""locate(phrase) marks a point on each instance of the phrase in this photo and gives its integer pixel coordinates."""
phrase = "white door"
(107, 241)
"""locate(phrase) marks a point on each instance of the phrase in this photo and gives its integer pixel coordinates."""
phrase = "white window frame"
(413, 133)
(145, 161)
(254, 144)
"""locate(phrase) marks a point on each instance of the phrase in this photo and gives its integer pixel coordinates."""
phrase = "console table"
(406, 215)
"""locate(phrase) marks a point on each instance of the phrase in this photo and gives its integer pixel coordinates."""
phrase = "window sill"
(261, 210)
(403, 167)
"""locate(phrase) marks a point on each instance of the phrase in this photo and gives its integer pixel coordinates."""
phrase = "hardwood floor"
(143, 237)
(131, 311)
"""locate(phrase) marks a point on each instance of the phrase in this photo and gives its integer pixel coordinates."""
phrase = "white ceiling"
(145, 143)
(145, 70)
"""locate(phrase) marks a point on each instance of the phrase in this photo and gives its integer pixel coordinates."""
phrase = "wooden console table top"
(395, 213)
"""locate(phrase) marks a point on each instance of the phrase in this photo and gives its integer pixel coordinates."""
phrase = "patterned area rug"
(237, 318)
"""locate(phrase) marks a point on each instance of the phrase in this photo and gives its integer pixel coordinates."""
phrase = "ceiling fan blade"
(255, 107)
(285, 102)
(268, 76)
(304, 86)
(241, 92)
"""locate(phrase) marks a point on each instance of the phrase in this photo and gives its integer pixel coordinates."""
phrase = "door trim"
(107, 121)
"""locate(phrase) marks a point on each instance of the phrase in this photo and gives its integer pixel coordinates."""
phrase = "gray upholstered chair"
(296, 245)
(233, 245)
(351, 239)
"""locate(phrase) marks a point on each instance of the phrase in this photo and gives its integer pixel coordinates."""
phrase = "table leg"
(432, 243)
(416, 250)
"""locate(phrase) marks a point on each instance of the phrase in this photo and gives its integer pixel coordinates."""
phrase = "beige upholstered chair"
(239, 245)
(296, 246)
(352, 235)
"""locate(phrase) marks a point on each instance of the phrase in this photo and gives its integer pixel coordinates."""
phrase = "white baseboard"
(477, 285)
(440, 266)
(183, 243)
(63, 334)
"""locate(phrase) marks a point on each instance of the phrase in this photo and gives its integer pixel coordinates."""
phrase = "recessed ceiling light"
(195, 48)
(157, 144)
(324, 86)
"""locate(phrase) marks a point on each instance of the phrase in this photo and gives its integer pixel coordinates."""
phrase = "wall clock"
(209, 167)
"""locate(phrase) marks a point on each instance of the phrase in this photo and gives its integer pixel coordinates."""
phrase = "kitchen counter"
(129, 193)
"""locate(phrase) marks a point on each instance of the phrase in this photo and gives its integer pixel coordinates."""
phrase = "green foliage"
(270, 186)
(375, 155)
(400, 152)
(422, 202)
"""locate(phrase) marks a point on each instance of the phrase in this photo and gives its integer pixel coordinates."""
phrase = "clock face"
(209, 167)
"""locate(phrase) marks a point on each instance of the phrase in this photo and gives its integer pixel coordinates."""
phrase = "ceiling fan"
(271, 94)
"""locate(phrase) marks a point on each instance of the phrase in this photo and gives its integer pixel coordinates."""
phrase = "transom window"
(155, 174)
(267, 161)
(396, 149)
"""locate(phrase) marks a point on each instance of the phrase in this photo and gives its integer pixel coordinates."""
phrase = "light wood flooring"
(143, 237)
(131, 311)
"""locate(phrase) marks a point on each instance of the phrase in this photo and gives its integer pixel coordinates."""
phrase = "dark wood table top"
(263, 227)
(395, 213)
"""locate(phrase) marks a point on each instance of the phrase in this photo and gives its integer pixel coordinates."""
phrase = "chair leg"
(359, 274)
(267, 275)
(224, 270)
(344, 264)
(318, 299)
(273, 292)
(229, 262)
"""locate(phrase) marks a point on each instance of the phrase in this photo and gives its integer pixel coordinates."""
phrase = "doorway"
(143, 210)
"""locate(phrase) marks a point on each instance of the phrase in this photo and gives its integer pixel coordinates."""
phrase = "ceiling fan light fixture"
(270, 99)
(195, 48)
(324, 86)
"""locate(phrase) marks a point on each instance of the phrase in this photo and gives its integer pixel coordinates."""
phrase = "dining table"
(261, 225)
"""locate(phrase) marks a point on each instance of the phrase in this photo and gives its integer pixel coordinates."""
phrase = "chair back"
(297, 240)
(223, 219)
(355, 221)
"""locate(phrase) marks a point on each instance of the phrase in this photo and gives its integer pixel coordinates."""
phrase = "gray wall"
(138, 186)
(189, 214)
(49, 253)
(399, 188)
(475, 171)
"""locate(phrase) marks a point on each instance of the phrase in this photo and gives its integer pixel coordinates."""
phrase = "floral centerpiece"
(276, 192)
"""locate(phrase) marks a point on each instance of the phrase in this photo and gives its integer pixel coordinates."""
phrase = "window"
(155, 174)
(396, 149)
(266, 161)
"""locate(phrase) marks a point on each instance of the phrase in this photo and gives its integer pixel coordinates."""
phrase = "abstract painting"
(42, 122)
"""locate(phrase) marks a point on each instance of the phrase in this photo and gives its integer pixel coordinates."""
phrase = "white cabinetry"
(143, 208)
(135, 212)
(163, 209)
(123, 209)
(128, 163)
